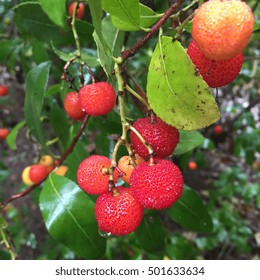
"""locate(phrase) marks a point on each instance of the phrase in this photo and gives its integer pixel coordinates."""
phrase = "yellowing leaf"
(176, 92)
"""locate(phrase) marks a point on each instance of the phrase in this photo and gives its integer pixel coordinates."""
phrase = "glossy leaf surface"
(68, 213)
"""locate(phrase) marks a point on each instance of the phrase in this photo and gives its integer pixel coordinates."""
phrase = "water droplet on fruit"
(104, 234)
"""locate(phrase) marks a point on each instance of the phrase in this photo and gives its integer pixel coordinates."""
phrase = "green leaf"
(35, 88)
(175, 91)
(147, 18)
(190, 212)
(188, 141)
(56, 11)
(114, 39)
(74, 159)
(11, 139)
(96, 14)
(127, 11)
(68, 213)
(58, 120)
(87, 55)
(151, 234)
(31, 19)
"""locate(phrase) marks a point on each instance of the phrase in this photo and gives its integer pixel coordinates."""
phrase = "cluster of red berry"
(220, 30)
(155, 182)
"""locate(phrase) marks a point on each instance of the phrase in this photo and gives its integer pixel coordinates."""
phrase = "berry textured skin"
(80, 11)
(98, 98)
(38, 173)
(73, 107)
(3, 90)
(215, 73)
(156, 186)
(117, 212)
(4, 133)
(161, 136)
(124, 164)
(90, 176)
(222, 28)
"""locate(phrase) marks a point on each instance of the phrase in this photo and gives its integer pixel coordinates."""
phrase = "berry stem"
(121, 92)
(7, 244)
(182, 26)
(139, 135)
(139, 97)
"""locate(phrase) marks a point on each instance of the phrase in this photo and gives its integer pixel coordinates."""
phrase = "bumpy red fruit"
(92, 176)
(161, 136)
(98, 98)
(38, 173)
(156, 186)
(3, 90)
(73, 107)
(117, 212)
(222, 28)
(80, 11)
(215, 73)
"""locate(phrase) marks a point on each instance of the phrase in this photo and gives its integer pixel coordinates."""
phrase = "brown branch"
(133, 50)
(74, 141)
(62, 159)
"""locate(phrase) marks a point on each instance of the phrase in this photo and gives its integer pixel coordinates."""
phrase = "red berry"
(4, 133)
(73, 107)
(218, 129)
(3, 90)
(80, 11)
(215, 73)
(92, 176)
(117, 212)
(192, 165)
(38, 173)
(161, 136)
(222, 29)
(158, 185)
(98, 98)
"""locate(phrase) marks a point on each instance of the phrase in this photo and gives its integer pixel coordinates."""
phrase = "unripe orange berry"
(61, 170)
(192, 165)
(124, 164)
(222, 28)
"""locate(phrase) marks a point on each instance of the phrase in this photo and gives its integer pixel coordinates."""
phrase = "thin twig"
(133, 50)
(62, 159)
